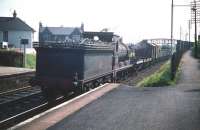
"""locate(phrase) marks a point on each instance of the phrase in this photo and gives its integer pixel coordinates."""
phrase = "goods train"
(77, 67)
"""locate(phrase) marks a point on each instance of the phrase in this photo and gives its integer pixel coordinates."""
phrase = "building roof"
(14, 23)
(59, 30)
(143, 43)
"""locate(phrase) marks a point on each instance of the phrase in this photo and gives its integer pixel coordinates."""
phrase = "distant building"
(13, 29)
(60, 34)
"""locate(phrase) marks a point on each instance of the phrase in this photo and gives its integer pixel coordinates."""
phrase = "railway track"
(17, 101)
(19, 105)
(16, 94)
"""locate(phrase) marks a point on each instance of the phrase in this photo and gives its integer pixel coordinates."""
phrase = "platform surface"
(13, 70)
(127, 108)
(152, 108)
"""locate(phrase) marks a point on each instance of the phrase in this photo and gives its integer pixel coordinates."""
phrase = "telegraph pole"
(195, 23)
(195, 6)
(194, 9)
(172, 23)
(180, 32)
(189, 30)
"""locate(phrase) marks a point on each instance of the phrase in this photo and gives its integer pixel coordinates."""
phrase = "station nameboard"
(24, 41)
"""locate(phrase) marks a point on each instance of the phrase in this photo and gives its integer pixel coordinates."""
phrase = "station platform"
(8, 71)
(122, 107)
(12, 78)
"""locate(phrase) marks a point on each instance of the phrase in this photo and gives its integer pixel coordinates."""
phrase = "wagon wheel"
(96, 84)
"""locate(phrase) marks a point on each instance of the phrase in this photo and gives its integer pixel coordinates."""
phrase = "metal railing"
(85, 43)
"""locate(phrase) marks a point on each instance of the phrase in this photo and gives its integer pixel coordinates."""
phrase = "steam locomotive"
(65, 67)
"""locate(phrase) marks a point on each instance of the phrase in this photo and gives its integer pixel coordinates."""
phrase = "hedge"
(11, 58)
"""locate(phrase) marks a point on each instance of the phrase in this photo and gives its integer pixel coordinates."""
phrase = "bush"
(30, 61)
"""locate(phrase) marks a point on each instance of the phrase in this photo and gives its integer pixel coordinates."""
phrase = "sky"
(134, 20)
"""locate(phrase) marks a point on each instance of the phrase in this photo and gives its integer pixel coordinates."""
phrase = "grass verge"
(162, 77)
(30, 61)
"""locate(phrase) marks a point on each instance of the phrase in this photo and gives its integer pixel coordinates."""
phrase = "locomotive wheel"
(90, 85)
(109, 79)
(87, 87)
(96, 84)
(126, 75)
(77, 91)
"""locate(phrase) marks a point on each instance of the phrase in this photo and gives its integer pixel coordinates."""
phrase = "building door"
(5, 36)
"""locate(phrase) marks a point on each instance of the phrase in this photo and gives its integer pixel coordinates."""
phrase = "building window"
(46, 37)
(76, 37)
(5, 36)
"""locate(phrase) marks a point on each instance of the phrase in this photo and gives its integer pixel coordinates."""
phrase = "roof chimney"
(82, 27)
(14, 14)
(40, 24)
